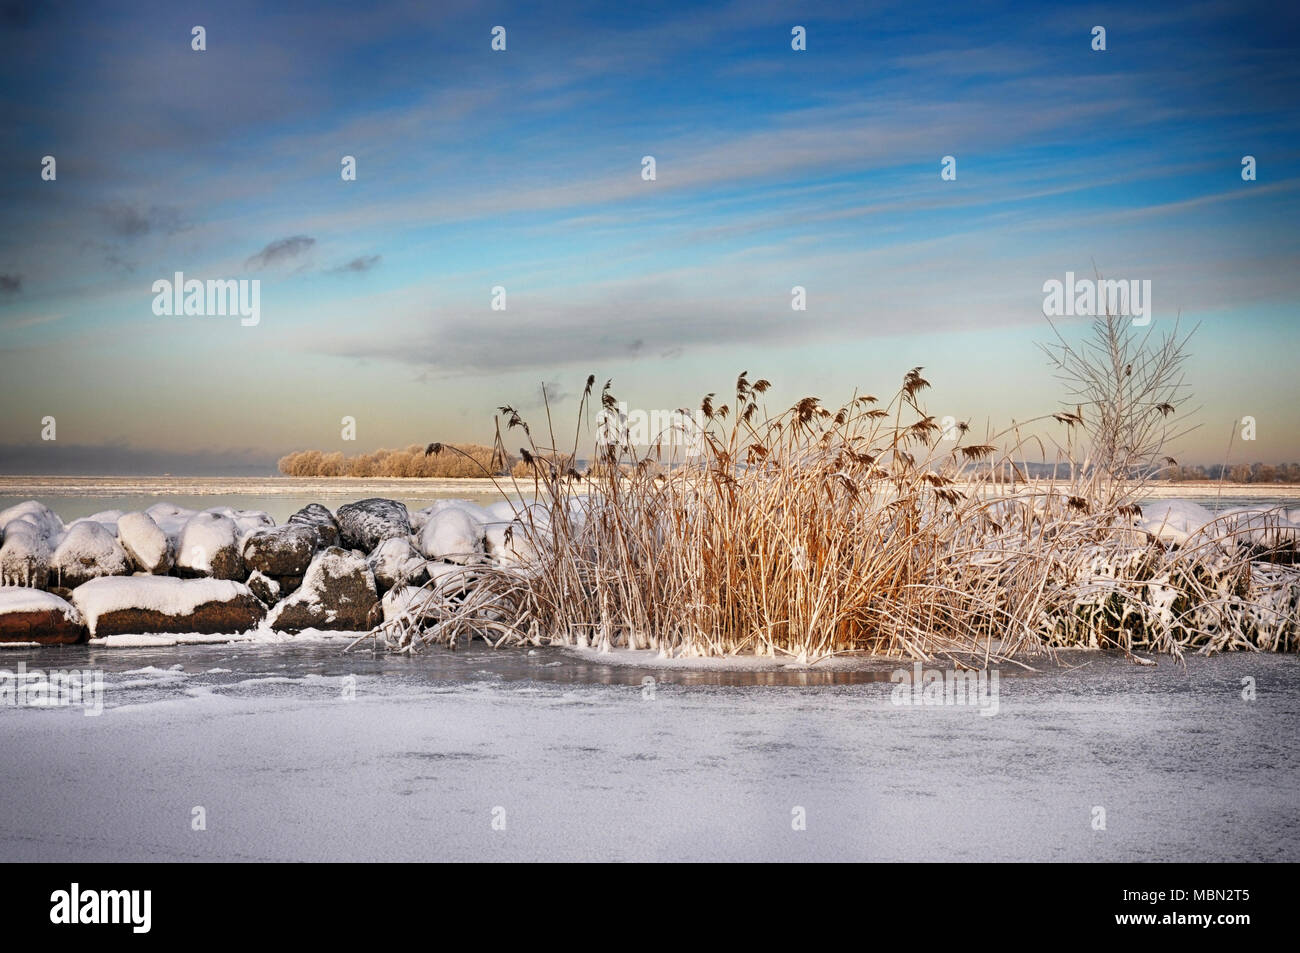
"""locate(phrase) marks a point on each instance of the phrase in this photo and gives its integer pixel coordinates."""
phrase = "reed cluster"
(859, 528)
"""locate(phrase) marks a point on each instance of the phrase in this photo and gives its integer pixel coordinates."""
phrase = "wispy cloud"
(361, 263)
(134, 221)
(280, 251)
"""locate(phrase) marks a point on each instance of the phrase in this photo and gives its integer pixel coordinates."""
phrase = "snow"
(166, 641)
(171, 519)
(395, 558)
(509, 543)
(88, 549)
(1259, 526)
(479, 514)
(165, 594)
(1174, 521)
(145, 542)
(106, 518)
(452, 534)
(1178, 521)
(507, 510)
(246, 521)
(448, 578)
(708, 768)
(41, 518)
(204, 536)
(398, 602)
(25, 555)
(15, 599)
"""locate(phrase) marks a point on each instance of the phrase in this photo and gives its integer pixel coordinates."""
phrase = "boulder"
(264, 587)
(106, 518)
(171, 519)
(25, 556)
(409, 602)
(510, 543)
(146, 604)
(479, 514)
(209, 546)
(313, 514)
(452, 535)
(395, 562)
(281, 550)
(30, 531)
(87, 551)
(145, 543)
(365, 524)
(338, 592)
(43, 519)
(287, 584)
(30, 615)
(450, 579)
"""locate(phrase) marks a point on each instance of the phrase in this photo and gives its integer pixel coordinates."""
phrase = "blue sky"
(522, 169)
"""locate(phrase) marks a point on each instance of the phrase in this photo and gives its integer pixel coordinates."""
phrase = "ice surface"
(430, 749)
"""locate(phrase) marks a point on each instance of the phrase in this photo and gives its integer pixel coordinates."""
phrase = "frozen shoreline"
(426, 756)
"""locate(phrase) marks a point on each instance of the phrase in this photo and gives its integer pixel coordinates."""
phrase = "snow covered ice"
(586, 766)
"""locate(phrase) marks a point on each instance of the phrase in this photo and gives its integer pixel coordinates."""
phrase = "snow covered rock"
(171, 519)
(450, 579)
(30, 615)
(145, 543)
(39, 516)
(209, 546)
(479, 514)
(1266, 531)
(281, 550)
(87, 551)
(106, 518)
(313, 514)
(246, 521)
(25, 556)
(395, 562)
(504, 511)
(1175, 521)
(406, 602)
(30, 531)
(365, 524)
(146, 604)
(338, 592)
(264, 587)
(452, 535)
(508, 543)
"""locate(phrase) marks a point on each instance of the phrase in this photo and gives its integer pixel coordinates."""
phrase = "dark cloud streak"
(281, 250)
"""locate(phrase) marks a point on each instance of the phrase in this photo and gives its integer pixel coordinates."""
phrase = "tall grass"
(819, 530)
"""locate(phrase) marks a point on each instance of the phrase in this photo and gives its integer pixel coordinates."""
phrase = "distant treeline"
(1176, 473)
(409, 462)
(1239, 473)
(413, 462)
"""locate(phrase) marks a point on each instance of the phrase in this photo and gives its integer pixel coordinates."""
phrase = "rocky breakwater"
(169, 570)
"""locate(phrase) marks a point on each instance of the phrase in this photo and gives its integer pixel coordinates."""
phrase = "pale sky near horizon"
(523, 168)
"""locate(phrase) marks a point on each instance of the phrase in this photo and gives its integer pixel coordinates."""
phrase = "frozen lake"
(583, 760)
(76, 497)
